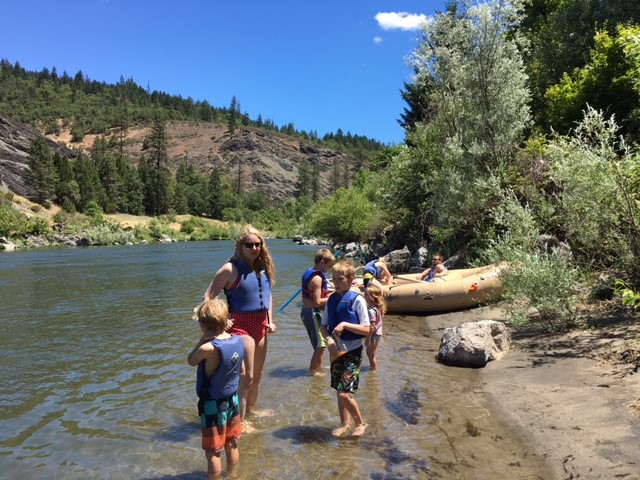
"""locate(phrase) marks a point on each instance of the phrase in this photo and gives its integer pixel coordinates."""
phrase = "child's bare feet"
(340, 431)
(247, 427)
(265, 412)
(359, 430)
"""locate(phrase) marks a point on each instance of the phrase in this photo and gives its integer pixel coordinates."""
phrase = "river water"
(95, 383)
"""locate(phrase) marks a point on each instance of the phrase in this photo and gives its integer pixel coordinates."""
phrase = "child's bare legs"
(347, 407)
(371, 354)
(316, 361)
(214, 464)
(233, 455)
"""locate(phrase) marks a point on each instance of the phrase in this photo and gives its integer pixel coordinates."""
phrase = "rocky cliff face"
(265, 161)
(15, 140)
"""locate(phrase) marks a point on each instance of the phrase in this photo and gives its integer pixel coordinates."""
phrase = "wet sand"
(575, 398)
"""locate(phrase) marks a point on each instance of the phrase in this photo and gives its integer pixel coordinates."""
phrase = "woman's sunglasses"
(252, 244)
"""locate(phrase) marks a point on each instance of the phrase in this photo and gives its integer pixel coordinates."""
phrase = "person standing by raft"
(247, 279)
(345, 317)
(218, 356)
(315, 293)
(377, 273)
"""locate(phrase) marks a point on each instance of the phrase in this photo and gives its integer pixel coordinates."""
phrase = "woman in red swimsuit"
(247, 278)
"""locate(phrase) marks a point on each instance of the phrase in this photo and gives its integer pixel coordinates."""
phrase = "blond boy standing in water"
(315, 292)
(346, 317)
(218, 356)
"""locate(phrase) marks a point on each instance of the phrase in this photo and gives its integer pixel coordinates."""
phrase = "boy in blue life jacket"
(377, 273)
(218, 356)
(346, 319)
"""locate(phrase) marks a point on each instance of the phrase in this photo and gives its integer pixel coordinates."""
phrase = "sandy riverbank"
(575, 396)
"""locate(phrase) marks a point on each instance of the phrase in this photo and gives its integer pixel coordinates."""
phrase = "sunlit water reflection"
(95, 382)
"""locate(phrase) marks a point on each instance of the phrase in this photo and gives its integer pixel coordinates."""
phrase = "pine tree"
(158, 174)
(303, 185)
(234, 114)
(88, 180)
(42, 176)
(315, 182)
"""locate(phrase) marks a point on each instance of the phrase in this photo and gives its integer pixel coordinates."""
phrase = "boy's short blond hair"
(324, 254)
(213, 315)
(345, 269)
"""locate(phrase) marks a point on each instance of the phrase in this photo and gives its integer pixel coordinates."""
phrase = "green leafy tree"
(42, 175)
(561, 35)
(597, 193)
(470, 63)
(441, 186)
(347, 215)
(608, 82)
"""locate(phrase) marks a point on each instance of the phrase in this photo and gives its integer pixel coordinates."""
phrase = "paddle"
(411, 279)
(280, 310)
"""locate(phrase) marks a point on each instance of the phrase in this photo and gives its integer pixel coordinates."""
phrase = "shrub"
(94, 211)
(12, 224)
(39, 226)
(346, 215)
(108, 234)
(157, 229)
(539, 287)
(628, 297)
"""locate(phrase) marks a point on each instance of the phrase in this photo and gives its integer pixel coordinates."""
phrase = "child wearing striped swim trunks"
(218, 356)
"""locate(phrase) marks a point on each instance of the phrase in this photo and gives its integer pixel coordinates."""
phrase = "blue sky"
(322, 65)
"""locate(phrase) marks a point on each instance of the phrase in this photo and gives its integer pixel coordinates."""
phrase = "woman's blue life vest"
(223, 382)
(340, 309)
(306, 278)
(372, 269)
(252, 292)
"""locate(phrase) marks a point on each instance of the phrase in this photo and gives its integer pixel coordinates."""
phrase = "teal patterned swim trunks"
(345, 371)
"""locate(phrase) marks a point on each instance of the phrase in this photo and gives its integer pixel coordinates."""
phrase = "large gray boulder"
(473, 344)
(398, 261)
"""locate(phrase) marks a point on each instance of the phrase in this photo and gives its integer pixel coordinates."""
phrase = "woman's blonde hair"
(212, 315)
(378, 298)
(264, 261)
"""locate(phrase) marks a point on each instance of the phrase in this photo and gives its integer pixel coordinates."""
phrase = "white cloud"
(400, 20)
(377, 40)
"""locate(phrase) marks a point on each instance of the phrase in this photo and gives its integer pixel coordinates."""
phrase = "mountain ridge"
(266, 161)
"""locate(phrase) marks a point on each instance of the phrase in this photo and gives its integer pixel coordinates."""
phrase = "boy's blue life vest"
(224, 381)
(252, 292)
(306, 278)
(372, 269)
(340, 309)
